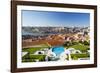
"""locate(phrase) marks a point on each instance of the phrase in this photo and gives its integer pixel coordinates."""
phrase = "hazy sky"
(45, 18)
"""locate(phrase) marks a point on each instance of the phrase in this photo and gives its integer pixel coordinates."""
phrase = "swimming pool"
(58, 50)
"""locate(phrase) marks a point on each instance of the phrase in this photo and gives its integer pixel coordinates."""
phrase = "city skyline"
(54, 19)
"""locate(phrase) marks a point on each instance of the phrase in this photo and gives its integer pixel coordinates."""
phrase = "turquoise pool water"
(58, 50)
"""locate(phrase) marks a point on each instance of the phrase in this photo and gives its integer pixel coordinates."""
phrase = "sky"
(63, 19)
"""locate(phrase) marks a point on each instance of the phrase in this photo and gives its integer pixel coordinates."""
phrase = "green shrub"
(74, 56)
(32, 58)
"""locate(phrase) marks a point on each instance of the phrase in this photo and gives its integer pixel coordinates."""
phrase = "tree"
(86, 43)
(67, 43)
